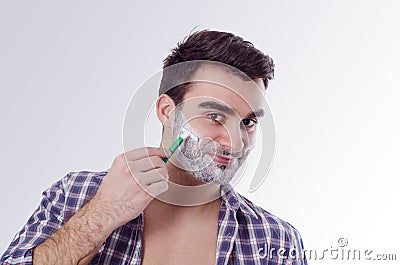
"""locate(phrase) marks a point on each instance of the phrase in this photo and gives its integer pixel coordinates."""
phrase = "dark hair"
(222, 47)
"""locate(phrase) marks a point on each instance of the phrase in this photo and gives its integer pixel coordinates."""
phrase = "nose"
(232, 138)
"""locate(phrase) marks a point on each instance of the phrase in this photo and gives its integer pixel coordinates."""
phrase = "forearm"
(78, 240)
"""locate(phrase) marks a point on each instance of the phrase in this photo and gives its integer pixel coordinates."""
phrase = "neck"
(186, 196)
(185, 190)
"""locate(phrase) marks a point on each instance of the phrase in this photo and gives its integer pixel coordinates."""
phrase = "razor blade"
(185, 133)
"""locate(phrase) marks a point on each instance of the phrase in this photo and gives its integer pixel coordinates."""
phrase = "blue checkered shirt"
(247, 234)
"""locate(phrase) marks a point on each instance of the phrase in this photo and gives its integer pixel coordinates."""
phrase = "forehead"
(211, 83)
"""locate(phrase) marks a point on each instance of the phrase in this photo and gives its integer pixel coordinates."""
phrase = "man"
(113, 217)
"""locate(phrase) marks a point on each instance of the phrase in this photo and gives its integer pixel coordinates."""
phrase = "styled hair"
(222, 47)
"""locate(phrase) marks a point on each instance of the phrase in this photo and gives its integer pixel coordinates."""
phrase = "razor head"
(186, 132)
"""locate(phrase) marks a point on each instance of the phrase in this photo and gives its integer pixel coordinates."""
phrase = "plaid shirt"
(247, 234)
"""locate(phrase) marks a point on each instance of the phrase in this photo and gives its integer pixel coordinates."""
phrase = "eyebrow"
(255, 114)
(227, 110)
(218, 106)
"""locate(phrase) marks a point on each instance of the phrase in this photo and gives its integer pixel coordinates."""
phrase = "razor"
(185, 133)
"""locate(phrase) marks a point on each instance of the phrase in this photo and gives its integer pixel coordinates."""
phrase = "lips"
(221, 159)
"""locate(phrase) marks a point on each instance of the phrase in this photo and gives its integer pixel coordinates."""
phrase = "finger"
(157, 188)
(153, 176)
(147, 163)
(142, 152)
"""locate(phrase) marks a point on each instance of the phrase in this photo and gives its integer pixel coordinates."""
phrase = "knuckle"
(154, 151)
(164, 185)
(149, 150)
(153, 160)
(120, 158)
(156, 161)
(163, 172)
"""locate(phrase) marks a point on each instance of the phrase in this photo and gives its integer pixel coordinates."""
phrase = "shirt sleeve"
(45, 220)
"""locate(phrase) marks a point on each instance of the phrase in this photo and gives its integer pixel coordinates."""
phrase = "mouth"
(223, 160)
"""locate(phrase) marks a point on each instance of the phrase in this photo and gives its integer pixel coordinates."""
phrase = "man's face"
(223, 115)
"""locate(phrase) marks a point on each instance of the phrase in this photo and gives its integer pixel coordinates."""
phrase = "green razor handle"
(173, 148)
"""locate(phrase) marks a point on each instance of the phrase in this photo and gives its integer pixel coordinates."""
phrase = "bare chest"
(186, 243)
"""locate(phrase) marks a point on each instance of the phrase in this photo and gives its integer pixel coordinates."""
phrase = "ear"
(165, 106)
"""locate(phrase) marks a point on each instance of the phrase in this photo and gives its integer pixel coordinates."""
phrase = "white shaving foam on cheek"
(196, 156)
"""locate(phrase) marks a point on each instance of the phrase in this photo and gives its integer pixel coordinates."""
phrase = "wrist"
(99, 217)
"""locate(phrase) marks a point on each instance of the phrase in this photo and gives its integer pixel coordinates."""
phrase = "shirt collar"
(235, 201)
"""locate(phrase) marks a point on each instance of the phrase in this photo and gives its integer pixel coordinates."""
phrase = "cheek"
(251, 139)
(205, 129)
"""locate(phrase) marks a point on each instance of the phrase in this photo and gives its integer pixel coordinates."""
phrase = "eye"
(215, 117)
(249, 123)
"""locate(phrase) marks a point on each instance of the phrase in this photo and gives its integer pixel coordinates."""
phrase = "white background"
(68, 71)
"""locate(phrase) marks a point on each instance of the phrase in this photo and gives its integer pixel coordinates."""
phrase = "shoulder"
(74, 190)
(89, 181)
(80, 182)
